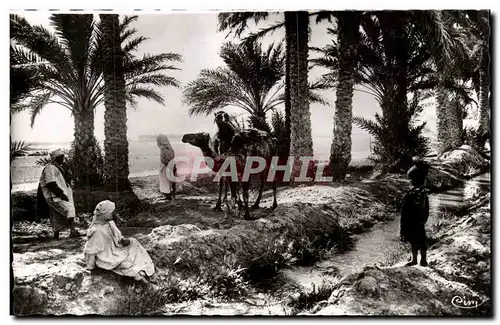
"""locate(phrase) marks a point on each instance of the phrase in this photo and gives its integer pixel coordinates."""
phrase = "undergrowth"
(304, 252)
(308, 299)
(225, 282)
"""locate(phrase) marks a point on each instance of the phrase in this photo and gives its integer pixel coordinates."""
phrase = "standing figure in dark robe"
(55, 196)
(414, 214)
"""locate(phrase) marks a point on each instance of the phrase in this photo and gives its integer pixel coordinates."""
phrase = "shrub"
(307, 300)
(441, 223)
(397, 137)
(142, 300)
(226, 281)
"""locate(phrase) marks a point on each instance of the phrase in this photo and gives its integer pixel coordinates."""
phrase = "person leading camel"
(167, 185)
(107, 249)
(55, 197)
(414, 214)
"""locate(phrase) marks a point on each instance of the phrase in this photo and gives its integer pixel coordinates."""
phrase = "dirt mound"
(247, 241)
(453, 167)
(457, 281)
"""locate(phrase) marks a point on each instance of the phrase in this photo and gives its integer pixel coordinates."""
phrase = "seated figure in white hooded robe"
(107, 249)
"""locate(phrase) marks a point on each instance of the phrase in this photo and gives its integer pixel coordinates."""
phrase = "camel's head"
(222, 117)
(200, 140)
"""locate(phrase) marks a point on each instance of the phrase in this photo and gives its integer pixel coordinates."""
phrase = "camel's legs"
(235, 197)
(237, 186)
(261, 189)
(245, 186)
(275, 203)
(218, 206)
(173, 183)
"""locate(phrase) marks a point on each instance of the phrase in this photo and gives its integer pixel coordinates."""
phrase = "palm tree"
(115, 117)
(297, 26)
(377, 67)
(297, 114)
(477, 27)
(348, 23)
(393, 61)
(453, 74)
(71, 65)
(250, 80)
(481, 21)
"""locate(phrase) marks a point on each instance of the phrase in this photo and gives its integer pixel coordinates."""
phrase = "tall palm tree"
(477, 25)
(348, 23)
(250, 80)
(71, 72)
(115, 116)
(452, 65)
(301, 143)
(67, 57)
(393, 61)
(380, 69)
(297, 114)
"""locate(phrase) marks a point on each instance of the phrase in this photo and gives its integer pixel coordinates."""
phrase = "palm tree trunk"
(484, 95)
(340, 152)
(300, 117)
(456, 123)
(115, 116)
(442, 124)
(85, 157)
(289, 25)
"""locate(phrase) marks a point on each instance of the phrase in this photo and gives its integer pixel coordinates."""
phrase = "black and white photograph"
(250, 163)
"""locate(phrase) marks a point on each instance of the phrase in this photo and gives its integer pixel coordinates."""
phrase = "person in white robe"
(168, 173)
(107, 249)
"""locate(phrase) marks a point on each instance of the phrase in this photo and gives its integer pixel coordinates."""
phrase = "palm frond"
(154, 79)
(150, 63)
(40, 41)
(314, 96)
(250, 80)
(264, 32)
(144, 92)
(133, 44)
(37, 103)
(44, 161)
(25, 77)
(127, 20)
(213, 90)
(369, 126)
(75, 33)
(18, 148)
(237, 22)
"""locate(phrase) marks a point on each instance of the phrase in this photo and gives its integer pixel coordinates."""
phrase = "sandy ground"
(49, 272)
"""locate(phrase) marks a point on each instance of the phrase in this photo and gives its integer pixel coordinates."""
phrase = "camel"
(250, 142)
(209, 149)
(219, 146)
(256, 143)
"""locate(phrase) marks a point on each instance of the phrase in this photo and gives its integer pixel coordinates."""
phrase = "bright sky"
(195, 37)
